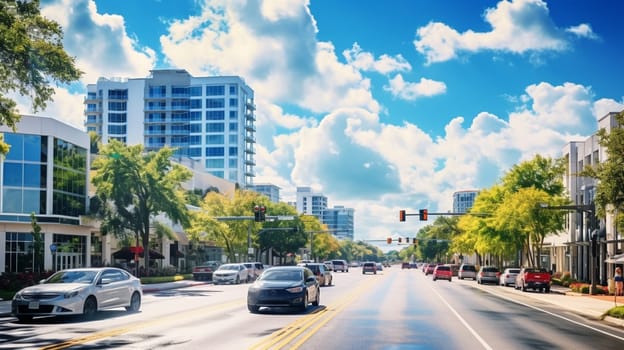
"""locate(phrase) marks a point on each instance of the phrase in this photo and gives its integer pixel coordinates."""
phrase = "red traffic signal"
(422, 214)
(389, 240)
(401, 215)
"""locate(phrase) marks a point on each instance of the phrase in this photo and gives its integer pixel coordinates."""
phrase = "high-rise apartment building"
(269, 190)
(464, 200)
(209, 119)
(310, 203)
(339, 221)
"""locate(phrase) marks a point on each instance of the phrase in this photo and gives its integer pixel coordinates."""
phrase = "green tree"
(37, 244)
(610, 173)
(134, 186)
(31, 57)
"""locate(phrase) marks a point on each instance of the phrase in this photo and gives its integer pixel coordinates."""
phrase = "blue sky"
(379, 105)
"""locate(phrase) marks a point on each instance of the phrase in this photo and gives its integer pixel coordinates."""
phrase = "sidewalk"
(5, 305)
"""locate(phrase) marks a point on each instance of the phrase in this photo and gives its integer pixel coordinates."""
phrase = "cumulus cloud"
(583, 30)
(411, 91)
(366, 61)
(518, 26)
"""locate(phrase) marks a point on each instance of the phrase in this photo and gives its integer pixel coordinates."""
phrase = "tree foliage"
(134, 186)
(31, 57)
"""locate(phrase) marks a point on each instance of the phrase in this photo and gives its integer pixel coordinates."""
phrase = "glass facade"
(19, 252)
(70, 176)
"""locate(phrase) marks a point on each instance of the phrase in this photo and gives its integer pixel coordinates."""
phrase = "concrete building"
(339, 221)
(464, 200)
(311, 203)
(46, 172)
(570, 250)
(269, 190)
(209, 119)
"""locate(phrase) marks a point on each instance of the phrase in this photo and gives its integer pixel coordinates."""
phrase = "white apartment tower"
(208, 119)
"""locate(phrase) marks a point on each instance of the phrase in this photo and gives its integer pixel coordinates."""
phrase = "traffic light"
(422, 214)
(415, 242)
(389, 240)
(407, 240)
(399, 240)
(259, 213)
(401, 215)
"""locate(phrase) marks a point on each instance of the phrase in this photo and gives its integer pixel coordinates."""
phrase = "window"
(233, 102)
(157, 91)
(233, 90)
(118, 94)
(116, 117)
(196, 128)
(195, 140)
(233, 139)
(195, 116)
(116, 106)
(216, 173)
(215, 151)
(196, 103)
(215, 127)
(233, 126)
(117, 129)
(233, 151)
(214, 163)
(233, 114)
(179, 91)
(214, 139)
(215, 115)
(194, 152)
(19, 251)
(215, 90)
(233, 162)
(196, 91)
(215, 103)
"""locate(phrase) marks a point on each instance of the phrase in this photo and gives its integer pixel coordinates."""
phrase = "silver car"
(231, 273)
(79, 292)
(508, 276)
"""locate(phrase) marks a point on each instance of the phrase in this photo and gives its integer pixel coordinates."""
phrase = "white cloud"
(365, 61)
(583, 30)
(604, 106)
(411, 91)
(518, 26)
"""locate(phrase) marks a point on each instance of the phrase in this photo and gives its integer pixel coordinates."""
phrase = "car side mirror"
(104, 281)
(311, 279)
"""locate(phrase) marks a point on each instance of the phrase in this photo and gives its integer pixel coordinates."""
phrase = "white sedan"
(508, 276)
(231, 273)
(79, 292)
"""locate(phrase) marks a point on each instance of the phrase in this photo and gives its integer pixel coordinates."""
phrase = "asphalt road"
(396, 309)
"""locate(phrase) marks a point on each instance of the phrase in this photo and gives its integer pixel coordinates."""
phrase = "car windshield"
(85, 277)
(228, 267)
(282, 275)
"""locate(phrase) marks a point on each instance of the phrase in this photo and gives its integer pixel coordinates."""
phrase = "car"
(379, 266)
(508, 277)
(354, 264)
(443, 272)
(284, 286)
(429, 269)
(467, 271)
(405, 265)
(80, 291)
(488, 274)
(323, 275)
(340, 265)
(255, 269)
(234, 273)
(534, 278)
(204, 270)
(369, 267)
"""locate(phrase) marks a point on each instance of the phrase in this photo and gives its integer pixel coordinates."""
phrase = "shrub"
(617, 312)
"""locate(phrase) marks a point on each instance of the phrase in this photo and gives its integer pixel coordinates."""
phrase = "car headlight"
(17, 296)
(72, 294)
(295, 290)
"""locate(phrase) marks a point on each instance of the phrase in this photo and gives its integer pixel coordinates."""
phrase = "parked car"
(443, 272)
(204, 271)
(231, 273)
(82, 291)
(340, 265)
(329, 266)
(379, 266)
(255, 269)
(508, 276)
(369, 267)
(430, 268)
(323, 275)
(534, 278)
(488, 274)
(284, 286)
(405, 265)
(455, 269)
(467, 271)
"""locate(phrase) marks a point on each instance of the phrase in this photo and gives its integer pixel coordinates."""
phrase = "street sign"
(53, 248)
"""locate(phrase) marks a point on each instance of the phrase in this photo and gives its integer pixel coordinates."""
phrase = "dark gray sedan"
(284, 286)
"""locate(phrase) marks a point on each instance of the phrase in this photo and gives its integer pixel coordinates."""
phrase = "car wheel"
(547, 290)
(253, 308)
(523, 287)
(135, 302)
(449, 279)
(90, 308)
(237, 280)
(318, 298)
(304, 305)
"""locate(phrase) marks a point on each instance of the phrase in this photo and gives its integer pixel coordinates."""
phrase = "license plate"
(33, 305)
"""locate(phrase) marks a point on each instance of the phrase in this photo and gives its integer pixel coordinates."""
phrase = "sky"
(378, 105)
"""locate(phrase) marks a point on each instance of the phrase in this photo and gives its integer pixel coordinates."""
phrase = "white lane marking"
(461, 319)
(556, 315)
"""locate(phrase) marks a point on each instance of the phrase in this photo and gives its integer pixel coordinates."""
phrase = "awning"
(127, 253)
(616, 259)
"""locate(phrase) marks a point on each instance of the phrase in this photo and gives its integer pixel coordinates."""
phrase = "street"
(394, 309)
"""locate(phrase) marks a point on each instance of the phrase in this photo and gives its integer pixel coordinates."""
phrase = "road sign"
(53, 248)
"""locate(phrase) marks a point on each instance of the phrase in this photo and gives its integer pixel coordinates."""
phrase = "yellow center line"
(287, 334)
(142, 324)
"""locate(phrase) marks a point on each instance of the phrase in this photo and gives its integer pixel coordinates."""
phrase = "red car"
(443, 272)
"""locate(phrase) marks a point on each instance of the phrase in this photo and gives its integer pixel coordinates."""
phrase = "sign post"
(53, 251)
